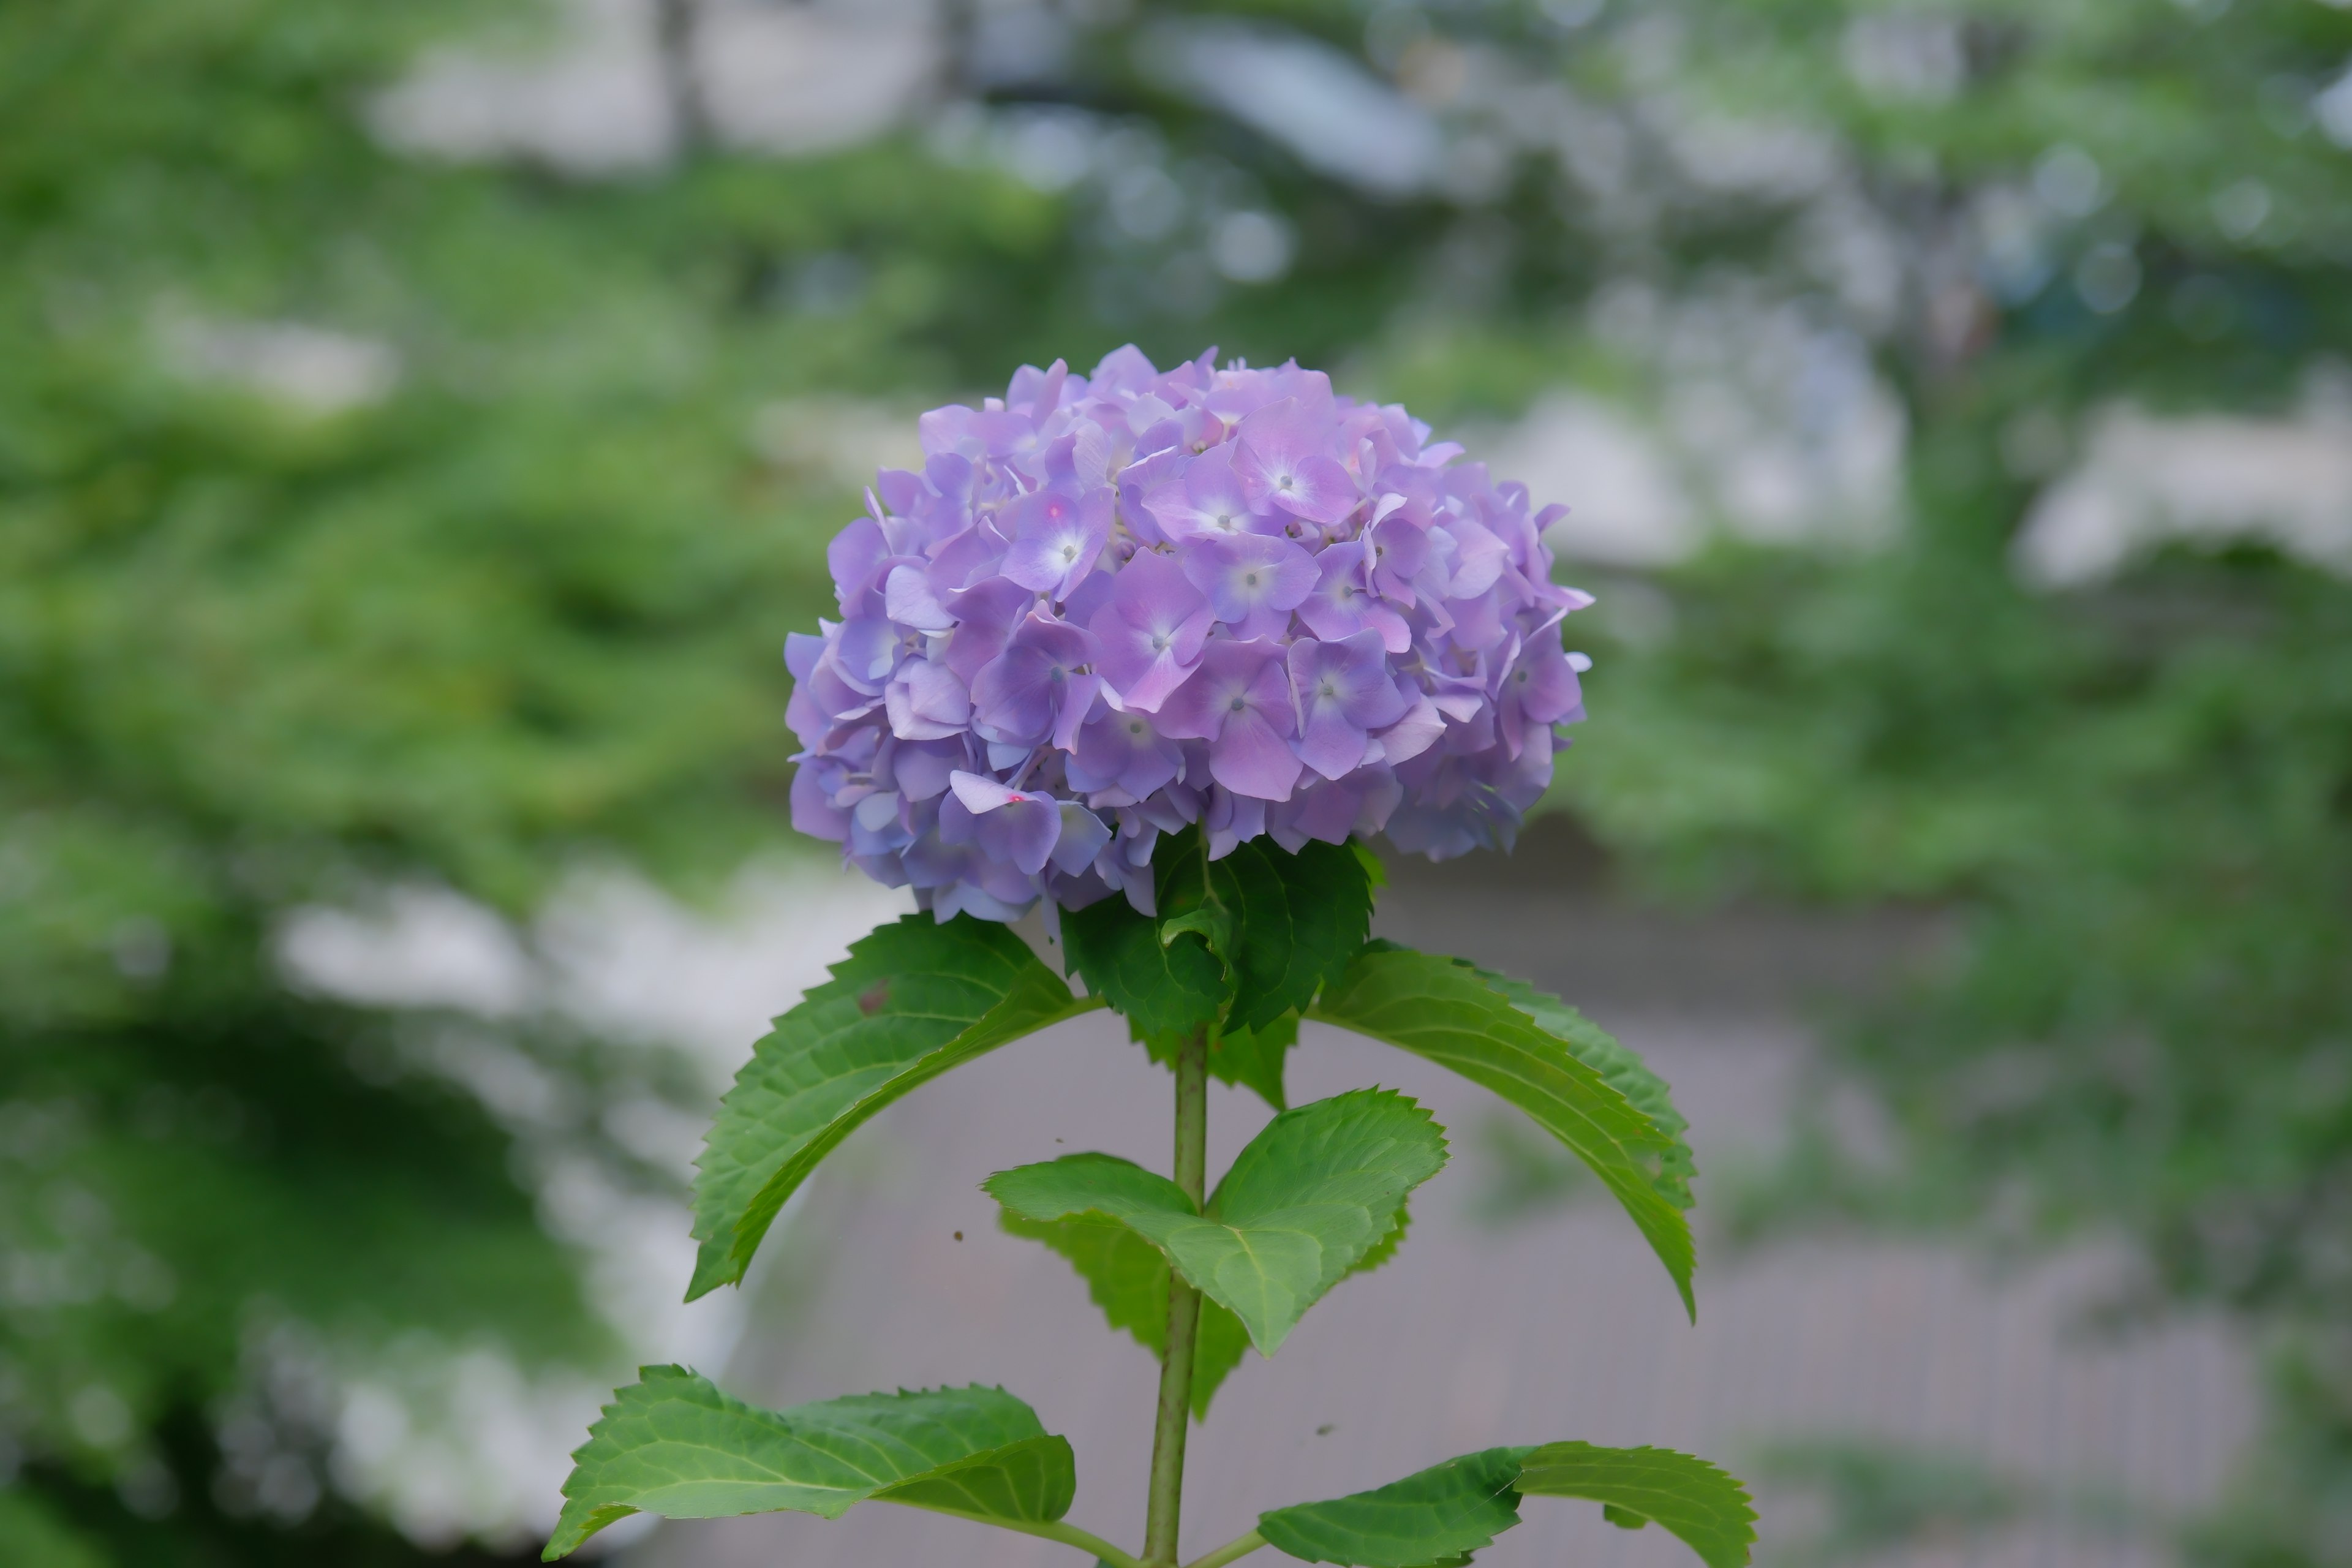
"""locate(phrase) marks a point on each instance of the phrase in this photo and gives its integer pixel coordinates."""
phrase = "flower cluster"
(1110, 606)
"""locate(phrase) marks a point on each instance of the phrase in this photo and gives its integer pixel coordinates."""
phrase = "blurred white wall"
(591, 91)
(459, 1441)
(2144, 481)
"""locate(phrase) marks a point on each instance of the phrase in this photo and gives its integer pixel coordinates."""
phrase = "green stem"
(1067, 1534)
(1175, 1414)
(1231, 1550)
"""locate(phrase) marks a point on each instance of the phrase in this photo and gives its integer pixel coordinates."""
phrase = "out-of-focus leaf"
(36, 1537)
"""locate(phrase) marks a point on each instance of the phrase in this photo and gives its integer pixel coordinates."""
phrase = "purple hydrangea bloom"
(1109, 606)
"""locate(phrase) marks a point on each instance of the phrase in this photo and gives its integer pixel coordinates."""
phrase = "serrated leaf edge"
(1742, 1517)
(757, 1214)
(563, 1543)
(1670, 1239)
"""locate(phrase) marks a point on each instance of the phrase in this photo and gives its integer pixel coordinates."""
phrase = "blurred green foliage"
(1881, 1498)
(2137, 793)
(512, 600)
(368, 520)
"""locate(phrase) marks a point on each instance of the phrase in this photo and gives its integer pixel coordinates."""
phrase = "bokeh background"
(420, 425)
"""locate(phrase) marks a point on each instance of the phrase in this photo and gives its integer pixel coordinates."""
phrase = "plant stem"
(1162, 1515)
(1231, 1550)
(1067, 1534)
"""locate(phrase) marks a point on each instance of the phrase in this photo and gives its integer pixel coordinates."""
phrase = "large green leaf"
(1433, 1518)
(1437, 1517)
(1320, 1166)
(1299, 920)
(1626, 1073)
(1165, 989)
(1443, 1009)
(1128, 1277)
(1250, 937)
(673, 1445)
(1707, 1509)
(1318, 1189)
(912, 1000)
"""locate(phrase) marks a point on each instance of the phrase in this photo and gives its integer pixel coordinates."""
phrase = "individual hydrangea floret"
(1111, 605)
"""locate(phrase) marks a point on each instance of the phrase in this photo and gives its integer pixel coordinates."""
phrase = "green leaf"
(1386, 1247)
(1338, 1170)
(1090, 1182)
(1217, 1348)
(1443, 1009)
(1707, 1509)
(1126, 1276)
(1127, 1279)
(1252, 937)
(1626, 1073)
(1212, 923)
(1032, 1481)
(1312, 1194)
(1254, 1057)
(1164, 990)
(1437, 1517)
(1300, 920)
(912, 1000)
(673, 1445)
(1433, 1518)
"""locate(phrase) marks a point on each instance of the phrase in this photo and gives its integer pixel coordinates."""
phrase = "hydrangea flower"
(1114, 604)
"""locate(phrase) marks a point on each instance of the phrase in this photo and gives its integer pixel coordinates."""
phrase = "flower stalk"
(1231, 1550)
(1163, 1512)
(1311, 627)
